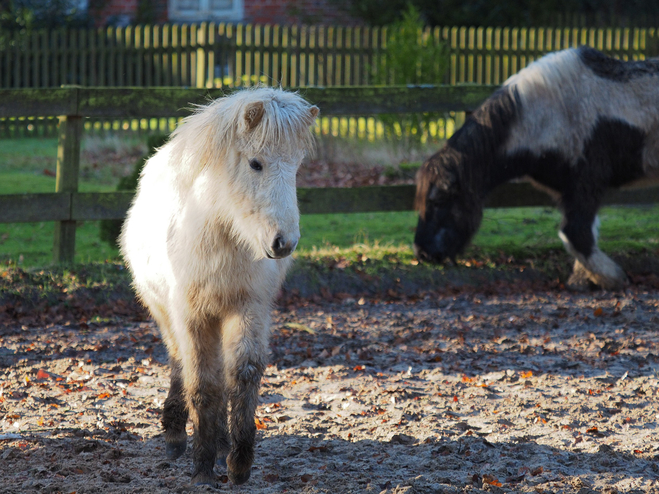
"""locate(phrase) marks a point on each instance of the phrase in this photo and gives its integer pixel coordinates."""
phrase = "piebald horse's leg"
(579, 235)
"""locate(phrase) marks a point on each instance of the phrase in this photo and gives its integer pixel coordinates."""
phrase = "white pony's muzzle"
(281, 246)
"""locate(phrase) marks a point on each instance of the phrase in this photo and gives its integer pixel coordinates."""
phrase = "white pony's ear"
(314, 111)
(254, 114)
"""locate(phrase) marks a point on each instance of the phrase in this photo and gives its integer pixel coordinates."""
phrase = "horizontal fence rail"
(72, 104)
(178, 102)
(225, 55)
(94, 206)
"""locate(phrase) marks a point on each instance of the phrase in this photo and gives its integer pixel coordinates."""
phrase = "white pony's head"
(238, 157)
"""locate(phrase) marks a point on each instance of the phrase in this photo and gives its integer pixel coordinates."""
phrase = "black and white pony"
(574, 122)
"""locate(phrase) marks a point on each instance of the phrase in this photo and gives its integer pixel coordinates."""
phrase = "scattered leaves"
(491, 480)
(42, 374)
(260, 424)
(300, 327)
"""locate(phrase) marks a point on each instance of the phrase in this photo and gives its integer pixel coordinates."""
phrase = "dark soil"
(399, 380)
(525, 390)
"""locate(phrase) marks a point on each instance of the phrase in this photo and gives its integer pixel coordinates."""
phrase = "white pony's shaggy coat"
(198, 241)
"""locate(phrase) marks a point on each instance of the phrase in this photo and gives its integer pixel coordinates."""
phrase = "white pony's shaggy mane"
(199, 139)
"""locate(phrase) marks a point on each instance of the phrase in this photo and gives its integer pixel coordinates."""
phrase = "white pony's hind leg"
(593, 267)
(175, 410)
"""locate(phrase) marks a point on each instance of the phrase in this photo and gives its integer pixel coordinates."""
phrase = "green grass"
(22, 165)
(21, 182)
(27, 154)
(515, 232)
(521, 233)
(31, 244)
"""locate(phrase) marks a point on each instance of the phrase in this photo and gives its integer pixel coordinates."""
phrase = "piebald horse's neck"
(480, 143)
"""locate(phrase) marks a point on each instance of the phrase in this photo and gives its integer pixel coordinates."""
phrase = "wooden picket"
(217, 55)
(210, 55)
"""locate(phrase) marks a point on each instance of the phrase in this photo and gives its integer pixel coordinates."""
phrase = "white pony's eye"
(256, 165)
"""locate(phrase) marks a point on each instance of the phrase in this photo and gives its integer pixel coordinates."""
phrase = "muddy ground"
(539, 391)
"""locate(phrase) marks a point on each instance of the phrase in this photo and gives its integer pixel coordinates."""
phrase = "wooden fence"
(211, 55)
(71, 105)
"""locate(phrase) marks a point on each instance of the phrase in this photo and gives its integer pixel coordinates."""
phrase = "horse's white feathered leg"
(593, 266)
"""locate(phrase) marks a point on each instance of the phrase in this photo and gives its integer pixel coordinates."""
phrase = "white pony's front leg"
(245, 347)
(199, 342)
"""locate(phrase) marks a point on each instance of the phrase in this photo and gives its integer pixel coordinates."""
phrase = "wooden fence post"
(68, 164)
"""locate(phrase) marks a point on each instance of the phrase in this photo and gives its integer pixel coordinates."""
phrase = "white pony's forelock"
(201, 137)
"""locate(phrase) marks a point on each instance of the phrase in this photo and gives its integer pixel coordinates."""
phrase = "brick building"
(125, 12)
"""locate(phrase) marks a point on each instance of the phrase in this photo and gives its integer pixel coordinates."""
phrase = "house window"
(206, 10)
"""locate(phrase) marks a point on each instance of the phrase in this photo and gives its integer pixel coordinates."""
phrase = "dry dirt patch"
(539, 392)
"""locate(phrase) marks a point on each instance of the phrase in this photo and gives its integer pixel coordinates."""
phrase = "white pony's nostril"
(281, 247)
(278, 244)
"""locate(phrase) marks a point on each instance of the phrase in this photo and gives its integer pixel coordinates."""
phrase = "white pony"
(207, 241)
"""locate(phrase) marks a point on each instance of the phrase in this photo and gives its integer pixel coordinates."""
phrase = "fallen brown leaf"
(260, 424)
(491, 480)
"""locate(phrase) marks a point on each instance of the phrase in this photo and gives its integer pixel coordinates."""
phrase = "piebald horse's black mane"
(469, 156)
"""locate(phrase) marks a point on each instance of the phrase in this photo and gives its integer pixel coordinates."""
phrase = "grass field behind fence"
(522, 232)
